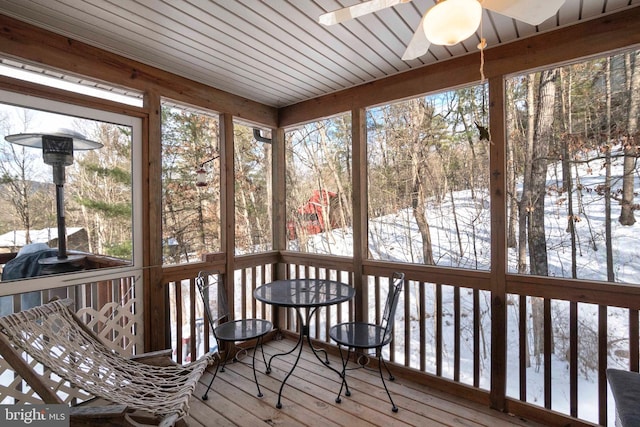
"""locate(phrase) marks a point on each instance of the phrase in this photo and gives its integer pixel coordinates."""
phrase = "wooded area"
(98, 189)
(445, 187)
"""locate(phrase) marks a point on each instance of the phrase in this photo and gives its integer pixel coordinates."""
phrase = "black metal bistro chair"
(363, 337)
(230, 331)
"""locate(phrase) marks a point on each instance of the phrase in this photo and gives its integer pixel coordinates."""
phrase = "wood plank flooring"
(308, 398)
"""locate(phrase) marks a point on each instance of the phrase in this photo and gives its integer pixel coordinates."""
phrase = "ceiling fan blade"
(532, 12)
(351, 12)
(419, 45)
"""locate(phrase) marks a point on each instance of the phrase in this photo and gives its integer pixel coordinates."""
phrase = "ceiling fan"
(450, 21)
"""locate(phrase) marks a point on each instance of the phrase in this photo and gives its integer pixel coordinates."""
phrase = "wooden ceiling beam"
(24, 41)
(589, 38)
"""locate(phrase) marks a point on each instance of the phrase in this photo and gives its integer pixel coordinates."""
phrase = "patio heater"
(57, 151)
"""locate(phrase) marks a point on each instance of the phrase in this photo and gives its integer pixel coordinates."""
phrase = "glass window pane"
(252, 163)
(64, 210)
(190, 205)
(319, 187)
(573, 170)
(428, 163)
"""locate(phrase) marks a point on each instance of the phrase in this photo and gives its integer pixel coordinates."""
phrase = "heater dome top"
(80, 142)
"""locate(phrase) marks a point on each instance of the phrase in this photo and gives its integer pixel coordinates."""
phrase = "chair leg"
(264, 359)
(343, 374)
(205, 396)
(391, 377)
(255, 376)
(381, 362)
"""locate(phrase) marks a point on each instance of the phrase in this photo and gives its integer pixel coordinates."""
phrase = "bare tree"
(567, 152)
(101, 195)
(607, 182)
(514, 139)
(631, 141)
(525, 204)
(536, 190)
(534, 195)
(420, 112)
(21, 188)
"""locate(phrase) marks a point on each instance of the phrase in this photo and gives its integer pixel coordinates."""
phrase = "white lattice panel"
(119, 327)
(115, 323)
(13, 389)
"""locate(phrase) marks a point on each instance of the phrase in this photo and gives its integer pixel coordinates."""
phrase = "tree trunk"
(511, 178)
(607, 183)
(543, 133)
(525, 199)
(418, 178)
(535, 198)
(344, 210)
(567, 178)
(630, 147)
(418, 201)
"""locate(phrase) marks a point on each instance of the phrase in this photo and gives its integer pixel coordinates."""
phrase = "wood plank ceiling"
(272, 51)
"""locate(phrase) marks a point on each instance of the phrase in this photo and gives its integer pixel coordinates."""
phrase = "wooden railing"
(323, 318)
(251, 271)
(594, 326)
(443, 332)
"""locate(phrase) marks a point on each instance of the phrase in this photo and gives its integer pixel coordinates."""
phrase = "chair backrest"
(206, 282)
(396, 281)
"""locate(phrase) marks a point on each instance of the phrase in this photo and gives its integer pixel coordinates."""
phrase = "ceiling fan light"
(451, 21)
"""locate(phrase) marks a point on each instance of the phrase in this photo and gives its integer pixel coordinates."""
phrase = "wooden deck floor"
(309, 396)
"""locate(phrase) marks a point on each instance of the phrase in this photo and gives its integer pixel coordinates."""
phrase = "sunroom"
(500, 178)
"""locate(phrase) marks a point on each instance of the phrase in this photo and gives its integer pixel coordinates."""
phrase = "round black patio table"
(303, 295)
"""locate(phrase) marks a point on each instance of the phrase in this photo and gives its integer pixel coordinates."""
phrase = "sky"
(67, 85)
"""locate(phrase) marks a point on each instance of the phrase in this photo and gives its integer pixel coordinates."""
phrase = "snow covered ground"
(396, 238)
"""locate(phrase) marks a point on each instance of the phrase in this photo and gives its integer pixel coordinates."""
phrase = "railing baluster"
(573, 359)
(178, 295)
(254, 306)
(476, 338)
(407, 323)
(338, 308)
(376, 291)
(634, 340)
(243, 293)
(456, 333)
(263, 280)
(206, 330)
(423, 326)
(438, 326)
(548, 334)
(318, 314)
(193, 336)
(523, 343)
(328, 311)
(602, 364)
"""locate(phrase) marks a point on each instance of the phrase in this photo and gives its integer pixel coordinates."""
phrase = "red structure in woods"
(310, 217)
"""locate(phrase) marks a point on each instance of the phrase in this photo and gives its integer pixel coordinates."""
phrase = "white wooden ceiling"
(272, 51)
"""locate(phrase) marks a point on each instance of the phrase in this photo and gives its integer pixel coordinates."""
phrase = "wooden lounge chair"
(55, 337)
